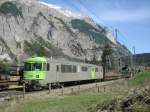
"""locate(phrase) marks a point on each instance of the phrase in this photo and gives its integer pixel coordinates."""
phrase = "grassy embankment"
(140, 79)
(86, 101)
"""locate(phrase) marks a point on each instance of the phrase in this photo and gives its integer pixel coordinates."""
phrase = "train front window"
(37, 66)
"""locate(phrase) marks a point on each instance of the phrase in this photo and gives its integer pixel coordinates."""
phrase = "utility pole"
(134, 49)
(119, 63)
(116, 34)
(131, 61)
(134, 57)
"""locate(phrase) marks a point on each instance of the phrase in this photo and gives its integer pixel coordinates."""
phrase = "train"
(39, 72)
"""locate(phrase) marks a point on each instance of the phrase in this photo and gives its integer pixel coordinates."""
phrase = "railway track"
(9, 90)
(100, 86)
(108, 78)
(12, 93)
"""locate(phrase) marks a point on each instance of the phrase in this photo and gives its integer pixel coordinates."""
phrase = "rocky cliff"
(31, 28)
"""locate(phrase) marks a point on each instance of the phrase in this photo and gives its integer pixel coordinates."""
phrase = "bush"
(4, 67)
(41, 47)
(10, 8)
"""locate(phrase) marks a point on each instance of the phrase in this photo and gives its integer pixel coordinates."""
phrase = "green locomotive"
(35, 68)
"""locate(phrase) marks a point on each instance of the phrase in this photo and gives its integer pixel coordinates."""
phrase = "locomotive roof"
(36, 59)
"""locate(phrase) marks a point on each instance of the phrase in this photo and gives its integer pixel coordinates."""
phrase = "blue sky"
(130, 17)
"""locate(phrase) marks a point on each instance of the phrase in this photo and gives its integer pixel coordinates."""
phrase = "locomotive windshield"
(33, 66)
(37, 66)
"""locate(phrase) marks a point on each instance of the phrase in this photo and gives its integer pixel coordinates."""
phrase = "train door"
(92, 72)
(51, 76)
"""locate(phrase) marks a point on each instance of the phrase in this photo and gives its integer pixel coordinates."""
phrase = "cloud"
(126, 15)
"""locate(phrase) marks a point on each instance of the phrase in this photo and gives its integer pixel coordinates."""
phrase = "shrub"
(10, 8)
(41, 47)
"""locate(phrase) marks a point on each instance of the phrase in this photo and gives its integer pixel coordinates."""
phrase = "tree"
(94, 60)
(106, 52)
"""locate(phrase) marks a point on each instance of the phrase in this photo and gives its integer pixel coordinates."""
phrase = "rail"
(99, 87)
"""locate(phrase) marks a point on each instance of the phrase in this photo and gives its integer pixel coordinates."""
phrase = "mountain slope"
(30, 28)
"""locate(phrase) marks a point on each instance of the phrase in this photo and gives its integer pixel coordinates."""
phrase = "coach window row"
(85, 69)
(68, 68)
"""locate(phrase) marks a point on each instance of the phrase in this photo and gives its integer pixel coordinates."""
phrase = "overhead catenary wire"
(123, 40)
(95, 15)
(117, 33)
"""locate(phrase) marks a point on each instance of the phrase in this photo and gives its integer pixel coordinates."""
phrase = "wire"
(93, 13)
(125, 39)
(122, 40)
(70, 3)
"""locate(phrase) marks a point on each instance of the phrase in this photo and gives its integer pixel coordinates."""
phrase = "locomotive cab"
(35, 69)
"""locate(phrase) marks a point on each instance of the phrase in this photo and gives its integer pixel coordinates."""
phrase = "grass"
(85, 101)
(139, 79)
(141, 108)
(81, 103)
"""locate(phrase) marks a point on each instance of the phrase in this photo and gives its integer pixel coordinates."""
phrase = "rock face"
(30, 28)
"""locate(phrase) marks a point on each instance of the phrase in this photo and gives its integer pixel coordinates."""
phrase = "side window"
(84, 69)
(57, 68)
(63, 68)
(68, 68)
(44, 67)
(27, 66)
(74, 69)
(101, 70)
(96, 69)
(48, 67)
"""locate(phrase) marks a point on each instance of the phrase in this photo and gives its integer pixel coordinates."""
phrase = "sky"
(131, 18)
